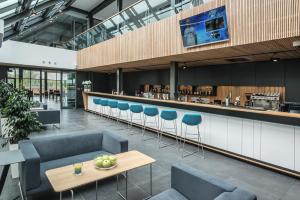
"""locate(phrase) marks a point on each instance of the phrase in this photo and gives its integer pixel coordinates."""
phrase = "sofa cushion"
(238, 194)
(45, 186)
(169, 194)
(65, 145)
(195, 184)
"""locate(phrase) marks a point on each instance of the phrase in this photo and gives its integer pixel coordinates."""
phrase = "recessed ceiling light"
(275, 59)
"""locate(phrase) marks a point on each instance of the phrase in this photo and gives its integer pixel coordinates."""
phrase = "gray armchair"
(49, 152)
(190, 184)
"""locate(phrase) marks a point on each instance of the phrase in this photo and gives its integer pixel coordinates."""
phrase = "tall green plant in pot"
(20, 121)
(6, 90)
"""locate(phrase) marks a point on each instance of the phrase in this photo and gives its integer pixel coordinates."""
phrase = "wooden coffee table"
(62, 179)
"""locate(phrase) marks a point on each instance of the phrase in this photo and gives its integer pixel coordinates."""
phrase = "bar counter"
(267, 138)
(268, 116)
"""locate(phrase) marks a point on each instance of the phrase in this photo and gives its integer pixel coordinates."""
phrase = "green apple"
(106, 163)
(99, 163)
(113, 160)
(105, 157)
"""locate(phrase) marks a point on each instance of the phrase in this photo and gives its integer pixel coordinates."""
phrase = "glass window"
(108, 24)
(154, 3)
(11, 73)
(7, 3)
(141, 7)
(35, 74)
(26, 83)
(2, 15)
(26, 73)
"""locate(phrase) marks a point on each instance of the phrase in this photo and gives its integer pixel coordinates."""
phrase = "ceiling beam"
(26, 13)
(80, 11)
(47, 11)
(25, 6)
(101, 6)
(70, 3)
(39, 23)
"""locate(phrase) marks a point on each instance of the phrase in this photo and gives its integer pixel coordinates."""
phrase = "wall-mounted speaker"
(1, 31)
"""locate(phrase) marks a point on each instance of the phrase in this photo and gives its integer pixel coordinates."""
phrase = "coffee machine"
(265, 101)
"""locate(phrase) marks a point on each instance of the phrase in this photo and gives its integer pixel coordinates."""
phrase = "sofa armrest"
(113, 143)
(29, 169)
(194, 184)
(238, 194)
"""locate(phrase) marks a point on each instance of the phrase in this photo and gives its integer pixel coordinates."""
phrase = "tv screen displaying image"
(205, 28)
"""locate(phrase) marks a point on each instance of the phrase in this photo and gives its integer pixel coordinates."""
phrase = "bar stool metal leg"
(131, 122)
(156, 126)
(162, 128)
(199, 143)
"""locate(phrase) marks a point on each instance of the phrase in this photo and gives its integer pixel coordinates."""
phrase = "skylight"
(8, 3)
(155, 3)
(3, 15)
(141, 7)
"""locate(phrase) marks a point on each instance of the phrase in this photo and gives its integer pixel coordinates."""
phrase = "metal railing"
(135, 16)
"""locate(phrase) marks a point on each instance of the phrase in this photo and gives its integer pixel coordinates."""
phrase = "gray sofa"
(191, 184)
(48, 152)
(47, 117)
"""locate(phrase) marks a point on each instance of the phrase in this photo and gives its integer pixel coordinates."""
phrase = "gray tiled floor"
(266, 184)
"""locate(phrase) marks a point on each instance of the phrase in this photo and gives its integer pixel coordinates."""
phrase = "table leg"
(72, 194)
(126, 186)
(3, 177)
(96, 190)
(150, 180)
(60, 196)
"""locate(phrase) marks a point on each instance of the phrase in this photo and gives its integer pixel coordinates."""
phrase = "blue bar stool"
(112, 104)
(97, 101)
(104, 106)
(169, 116)
(136, 109)
(153, 112)
(191, 120)
(123, 107)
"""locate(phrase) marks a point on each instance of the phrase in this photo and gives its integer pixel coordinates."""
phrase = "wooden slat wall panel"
(250, 22)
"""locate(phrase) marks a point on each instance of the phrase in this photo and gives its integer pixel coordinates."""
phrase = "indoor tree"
(6, 90)
(21, 122)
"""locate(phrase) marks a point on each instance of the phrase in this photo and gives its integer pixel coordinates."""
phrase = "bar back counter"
(267, 138)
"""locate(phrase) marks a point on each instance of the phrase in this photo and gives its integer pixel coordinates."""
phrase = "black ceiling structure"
(24, 18)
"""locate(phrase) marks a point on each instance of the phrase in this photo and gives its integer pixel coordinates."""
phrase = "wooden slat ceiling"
(259, 30)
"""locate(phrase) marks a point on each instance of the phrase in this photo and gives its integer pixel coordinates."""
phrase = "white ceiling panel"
(86, 5)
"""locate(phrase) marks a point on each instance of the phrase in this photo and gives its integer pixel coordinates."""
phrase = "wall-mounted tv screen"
(205, 28)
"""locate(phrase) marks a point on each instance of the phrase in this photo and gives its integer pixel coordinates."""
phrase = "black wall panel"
(133, 80)
(243, 74)
(270, 73)
(292, 81)
(282, 73)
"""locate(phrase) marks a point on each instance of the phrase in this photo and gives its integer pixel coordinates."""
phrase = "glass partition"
(137, 15)
(68, 89)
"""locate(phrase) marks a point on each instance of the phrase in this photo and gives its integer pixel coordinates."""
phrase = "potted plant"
(6, 91)
(87, 86)
(20, 122)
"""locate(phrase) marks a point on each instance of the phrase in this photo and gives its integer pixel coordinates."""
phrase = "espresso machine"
(265, 101)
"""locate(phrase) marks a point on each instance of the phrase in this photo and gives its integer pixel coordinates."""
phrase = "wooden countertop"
(208, 107)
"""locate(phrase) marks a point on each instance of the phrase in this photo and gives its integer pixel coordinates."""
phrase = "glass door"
(68, 88)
